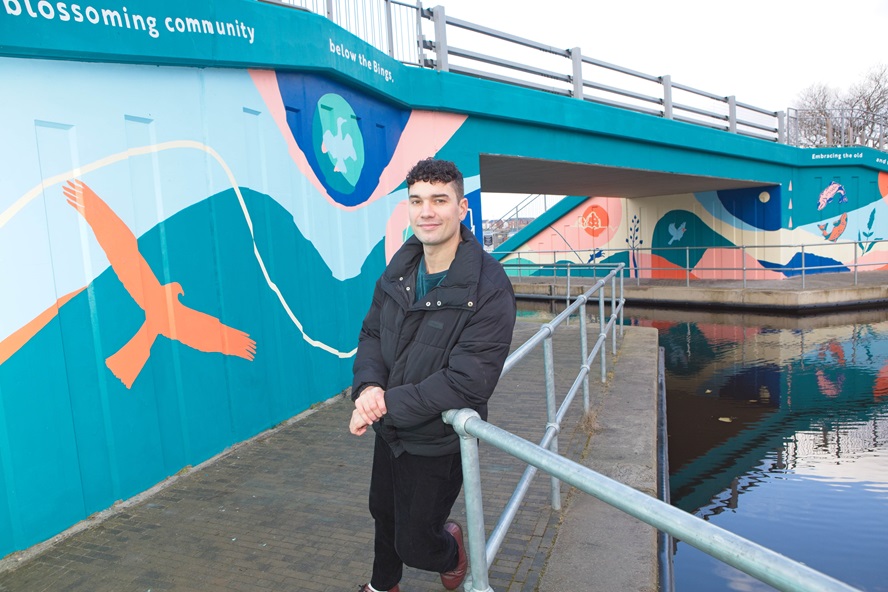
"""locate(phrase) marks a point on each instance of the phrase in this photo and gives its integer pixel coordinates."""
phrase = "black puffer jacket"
(445, 351)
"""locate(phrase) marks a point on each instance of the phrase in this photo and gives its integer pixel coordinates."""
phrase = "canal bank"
(811, 294)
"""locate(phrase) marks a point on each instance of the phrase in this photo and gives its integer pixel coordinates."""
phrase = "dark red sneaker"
(366, 588)
(453, 578)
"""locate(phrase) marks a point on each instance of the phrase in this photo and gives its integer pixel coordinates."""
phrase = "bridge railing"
(761, 563)
(821, 128)
(501, 56)
(681, 263)
(432, 39)
(484, 554)
(391, 26)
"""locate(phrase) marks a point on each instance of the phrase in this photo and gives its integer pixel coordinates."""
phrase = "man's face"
(436, 213)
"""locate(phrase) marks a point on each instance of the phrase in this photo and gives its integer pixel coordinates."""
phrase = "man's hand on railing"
(369, 408)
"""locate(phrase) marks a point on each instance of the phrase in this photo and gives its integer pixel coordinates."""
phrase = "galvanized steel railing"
(388, 25)
(759, 562)
(586, 78)
(763, 564)
(561, 263)
(484, 554)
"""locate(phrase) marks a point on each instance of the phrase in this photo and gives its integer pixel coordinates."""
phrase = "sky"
(764, 52)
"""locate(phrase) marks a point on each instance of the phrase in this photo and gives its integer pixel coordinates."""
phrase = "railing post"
(576, 59)
(567, 295)
(475, 532)
(614, 313)
(781, 127)
(552, 412)
(584, 353)
(389, 30)
(602, 335)
(743, 258)
(420, 45)
(330, 9)
(855, 263)
(732, 114)
(687, 266)
(803, 267)
(621, 302)
(666, 81)
(440, 20)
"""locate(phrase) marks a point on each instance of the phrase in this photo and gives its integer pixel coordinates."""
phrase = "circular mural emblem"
(594, 220)
(338, 143)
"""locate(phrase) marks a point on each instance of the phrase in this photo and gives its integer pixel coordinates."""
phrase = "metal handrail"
(555, 417)
(561, 260)
(759, 562)
(392, 26)
(575, 80)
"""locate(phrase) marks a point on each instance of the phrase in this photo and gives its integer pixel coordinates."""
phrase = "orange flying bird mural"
(164, 314)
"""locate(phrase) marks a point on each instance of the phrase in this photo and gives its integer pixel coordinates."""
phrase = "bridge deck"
(288, 509)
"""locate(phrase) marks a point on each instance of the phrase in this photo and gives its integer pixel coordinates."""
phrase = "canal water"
(778, 432)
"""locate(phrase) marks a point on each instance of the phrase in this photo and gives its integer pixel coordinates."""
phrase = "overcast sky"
(764, 52)
(761, 51)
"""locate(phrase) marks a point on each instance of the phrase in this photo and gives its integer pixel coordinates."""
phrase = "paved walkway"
(287, 510)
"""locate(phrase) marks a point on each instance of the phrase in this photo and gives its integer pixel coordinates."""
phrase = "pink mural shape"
(164, 314)
(17, 340)
(715, 334)
(424, 135)
(728, 264)
(591, 225)
(395, 230)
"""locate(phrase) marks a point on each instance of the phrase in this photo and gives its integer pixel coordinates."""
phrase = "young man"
(436, 338)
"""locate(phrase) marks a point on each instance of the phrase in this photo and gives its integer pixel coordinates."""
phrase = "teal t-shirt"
(427, 281)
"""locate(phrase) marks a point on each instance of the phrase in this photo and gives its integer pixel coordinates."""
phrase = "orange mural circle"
(595, 220)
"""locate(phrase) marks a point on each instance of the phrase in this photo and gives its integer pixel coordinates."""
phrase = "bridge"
(257, 151)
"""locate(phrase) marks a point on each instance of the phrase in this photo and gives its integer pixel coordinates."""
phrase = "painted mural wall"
(765, 232)
(187, 255)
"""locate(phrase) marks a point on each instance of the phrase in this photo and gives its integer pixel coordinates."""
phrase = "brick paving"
(288, 510)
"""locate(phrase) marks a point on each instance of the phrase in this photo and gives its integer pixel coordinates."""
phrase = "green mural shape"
(679, 229)
(338, 143)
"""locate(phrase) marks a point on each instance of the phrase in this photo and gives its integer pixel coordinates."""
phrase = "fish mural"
(829, 193)
(837, 229)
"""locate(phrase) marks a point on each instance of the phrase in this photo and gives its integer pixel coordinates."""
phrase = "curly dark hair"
(432, 170)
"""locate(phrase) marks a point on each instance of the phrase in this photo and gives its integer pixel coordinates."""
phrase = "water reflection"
(778, 431)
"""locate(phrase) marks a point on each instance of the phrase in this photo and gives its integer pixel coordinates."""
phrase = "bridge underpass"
(519, 175)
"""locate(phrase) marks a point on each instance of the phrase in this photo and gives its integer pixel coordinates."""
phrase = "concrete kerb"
(599, 548)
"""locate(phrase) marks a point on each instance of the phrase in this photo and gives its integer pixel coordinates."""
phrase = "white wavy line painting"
(37, 190)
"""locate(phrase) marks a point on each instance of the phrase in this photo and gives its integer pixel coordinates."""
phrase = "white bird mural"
(340, 147)
(676, 233)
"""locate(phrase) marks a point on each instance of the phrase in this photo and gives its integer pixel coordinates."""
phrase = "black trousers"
(410, 500)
